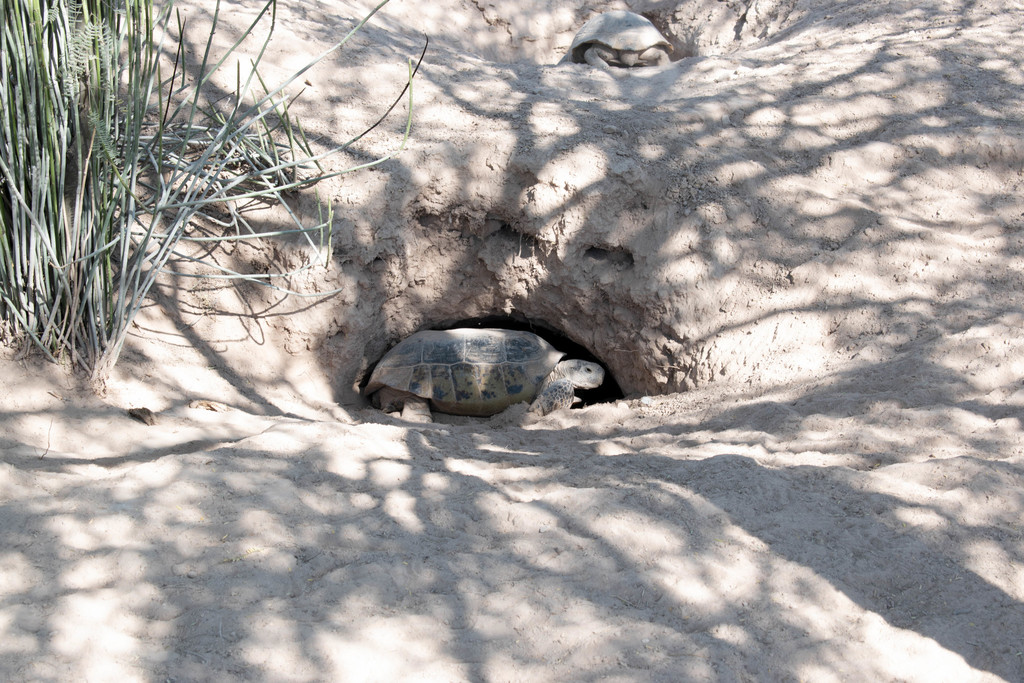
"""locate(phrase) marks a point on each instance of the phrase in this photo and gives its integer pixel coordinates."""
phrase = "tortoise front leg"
(655, 56)
(560, 393)
(416, 409)
(599, 56)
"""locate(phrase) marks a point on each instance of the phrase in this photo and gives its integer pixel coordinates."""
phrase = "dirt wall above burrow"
(752, 217)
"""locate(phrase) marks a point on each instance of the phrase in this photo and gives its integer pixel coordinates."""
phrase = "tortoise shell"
(619, 30)
(467, 371)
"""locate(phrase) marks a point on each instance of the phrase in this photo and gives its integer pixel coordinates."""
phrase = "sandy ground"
(856, 515)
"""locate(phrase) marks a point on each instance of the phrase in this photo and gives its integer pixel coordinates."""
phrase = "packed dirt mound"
(797, 250)
(773, 210)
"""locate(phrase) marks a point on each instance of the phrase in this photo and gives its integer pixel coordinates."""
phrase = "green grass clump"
(104, 164)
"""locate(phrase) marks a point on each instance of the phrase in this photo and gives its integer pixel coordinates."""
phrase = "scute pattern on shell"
(619, 30)
(468, 371)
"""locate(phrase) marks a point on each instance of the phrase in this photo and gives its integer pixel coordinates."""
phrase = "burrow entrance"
(541, 31)
(609, 390)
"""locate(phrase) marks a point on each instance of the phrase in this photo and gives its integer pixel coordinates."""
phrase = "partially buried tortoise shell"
(619, 38)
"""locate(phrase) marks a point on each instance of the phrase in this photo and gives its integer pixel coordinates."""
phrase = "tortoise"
(619, 38)
(477, 372)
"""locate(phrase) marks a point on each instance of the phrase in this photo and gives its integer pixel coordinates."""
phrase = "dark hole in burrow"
(608, 391)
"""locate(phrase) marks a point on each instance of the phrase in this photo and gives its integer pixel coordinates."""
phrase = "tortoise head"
(629, 57)
(583, 374)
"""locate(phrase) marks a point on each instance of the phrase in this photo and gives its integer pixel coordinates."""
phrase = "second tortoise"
(621, 39)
